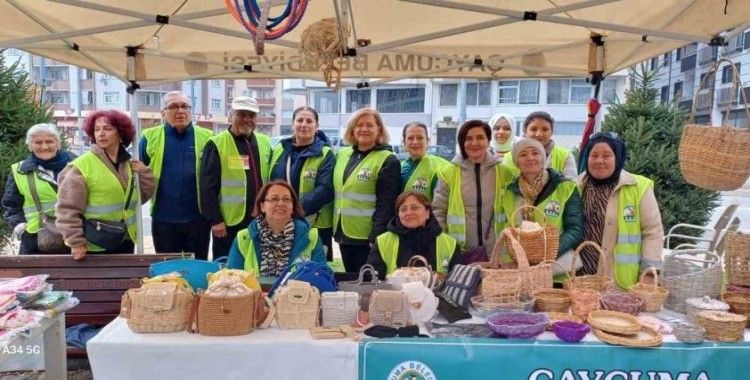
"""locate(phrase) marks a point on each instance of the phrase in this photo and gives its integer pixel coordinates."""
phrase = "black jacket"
(412, 241)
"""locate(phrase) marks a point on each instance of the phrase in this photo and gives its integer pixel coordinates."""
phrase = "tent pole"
(133, 99)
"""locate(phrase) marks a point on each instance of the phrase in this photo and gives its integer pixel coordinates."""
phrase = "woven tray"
(614, 322)
(645, 337)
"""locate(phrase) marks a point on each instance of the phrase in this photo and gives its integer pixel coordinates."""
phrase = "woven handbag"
(389, 308)
(690, 273)
(297, 305)
(540, 244)
(339, 308)
(411, 273)
(227, 308)
(157, 307)
(461, 285)
(716, 157)
(365, 288)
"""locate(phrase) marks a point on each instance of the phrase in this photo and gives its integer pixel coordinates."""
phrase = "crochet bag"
(339, 308)
(316, 274)
(422, 302)
(157, 307)
(411, 273)
(297, 305)
(227, 308)
(365, 288)
(389, 308)
(461, 285)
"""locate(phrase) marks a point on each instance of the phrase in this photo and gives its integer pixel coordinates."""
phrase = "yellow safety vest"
(355, 199)
(106, 197)
(445, 246)
(553, 206)
(627, 252)
(252, 262)
(233, 193)
(423, 175)
(47, 198)
(155, 149)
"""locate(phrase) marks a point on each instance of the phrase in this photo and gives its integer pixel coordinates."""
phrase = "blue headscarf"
(616, 144)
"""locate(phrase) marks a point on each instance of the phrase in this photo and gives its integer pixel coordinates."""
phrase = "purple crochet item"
(569, 331)
(517, 325)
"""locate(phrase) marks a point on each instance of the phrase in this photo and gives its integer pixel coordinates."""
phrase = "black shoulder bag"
(107, 234)
(49, 239)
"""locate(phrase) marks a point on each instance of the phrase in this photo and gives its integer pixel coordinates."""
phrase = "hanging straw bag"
(690, 273)
(365, 288)
(411, 273)
(653, 295)
(598, 282)
(532, 277)
(541, 244)
(157, 307)
(716, 157)
(339, 308)
(297, 305)
(737, 260)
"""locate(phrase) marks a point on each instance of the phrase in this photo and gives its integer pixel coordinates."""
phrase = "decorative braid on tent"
(321, 45)
(262, 27)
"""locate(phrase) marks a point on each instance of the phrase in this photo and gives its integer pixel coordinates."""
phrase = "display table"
(52, 331)
(118, 353)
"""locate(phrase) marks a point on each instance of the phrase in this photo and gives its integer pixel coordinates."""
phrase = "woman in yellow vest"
(41, 166)
(419, 171)
(503, 131)
(469, 191)
(540, 126)
(96, 184)
(554, 195)
(620, 212)
(415, 231)
(367, 181)
(306, 162)
(278, 235)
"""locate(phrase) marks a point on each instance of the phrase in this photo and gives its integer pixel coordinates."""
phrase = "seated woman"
(277, 236)
(414, 231)
(556, 196)
(620, 211)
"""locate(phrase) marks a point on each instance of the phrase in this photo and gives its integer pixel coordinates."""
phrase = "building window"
(89, 97)
(149, 98)
(568, 91)
(448, 95)
(86, 74)
(518, 92)
(727, 73)
(13, 52)
(608, 90)
(664, 96)
(665, 62)
(111, 97)
(216, 83)
(266, 113)
(477, 94)
(678, 54)
(326, 101)
(654, 63)
(401, 100)
(706, 82)
(216, 105)
(56, 73)
(580, 91)
(677, 93)
(58, 97)
(356, 99)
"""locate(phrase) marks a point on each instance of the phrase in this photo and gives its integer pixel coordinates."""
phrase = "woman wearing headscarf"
(540, 126)
(45, 161)
(552, 194)
(503, 126)
(620, 212)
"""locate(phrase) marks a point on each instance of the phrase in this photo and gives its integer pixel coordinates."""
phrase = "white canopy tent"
(148, 42)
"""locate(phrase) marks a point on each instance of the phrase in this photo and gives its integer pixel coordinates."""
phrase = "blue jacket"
(301, 229)
(323, 193)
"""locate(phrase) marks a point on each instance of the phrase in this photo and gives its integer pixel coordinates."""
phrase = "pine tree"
(652, 131)
(19, 109)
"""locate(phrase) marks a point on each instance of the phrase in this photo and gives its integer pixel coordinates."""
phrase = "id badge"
(245, 162)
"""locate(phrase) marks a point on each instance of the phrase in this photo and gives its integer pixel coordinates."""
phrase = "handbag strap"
(34, 194)
(192, 325)
(130, 192)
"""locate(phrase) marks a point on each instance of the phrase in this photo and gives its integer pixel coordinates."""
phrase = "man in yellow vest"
(234, 167)
(173, 150)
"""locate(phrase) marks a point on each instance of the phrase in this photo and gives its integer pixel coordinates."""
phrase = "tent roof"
(412, 38)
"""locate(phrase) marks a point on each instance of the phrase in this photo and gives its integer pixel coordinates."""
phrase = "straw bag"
(157, 307)
(339, 308)
(690, 273)
(653, 295)
(737, 259)
(227, 308)
(598, 282)
(365, 288)
(389, 308)
(422, 302)
(716, 157)
(532, 277)
(541, 244)
(297, 305)
(411, 273)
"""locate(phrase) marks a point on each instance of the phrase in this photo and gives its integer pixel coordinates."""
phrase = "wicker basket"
(541, 245)
(696, 305)
(484, 306)
(737, 259)
(716, 157)
(503, 285)
(517, 325)
(653, 295)
(554, 300)
(569, 331)
(532, 277)
(687, 332)
(598, 282)
(739, 303)
(690, 273)
(584, 301)
(622, 302)
(721, 326)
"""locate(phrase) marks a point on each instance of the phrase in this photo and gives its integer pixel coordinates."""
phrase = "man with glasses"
(235, 165)
(173, 151)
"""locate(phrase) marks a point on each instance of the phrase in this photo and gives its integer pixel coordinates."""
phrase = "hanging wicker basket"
(716, 157)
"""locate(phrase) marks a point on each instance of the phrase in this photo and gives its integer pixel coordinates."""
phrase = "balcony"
(707, 54)
(725, 95)
(687, 63)
(734, 45)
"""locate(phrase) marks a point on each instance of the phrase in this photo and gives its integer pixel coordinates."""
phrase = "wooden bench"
(98, 281)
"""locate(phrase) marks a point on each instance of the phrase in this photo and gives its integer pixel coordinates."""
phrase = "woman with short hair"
(540, 126)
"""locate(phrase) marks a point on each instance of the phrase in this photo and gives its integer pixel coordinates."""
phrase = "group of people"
(266, 207)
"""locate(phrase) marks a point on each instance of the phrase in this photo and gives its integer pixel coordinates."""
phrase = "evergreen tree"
(652, 132)
(19, 109)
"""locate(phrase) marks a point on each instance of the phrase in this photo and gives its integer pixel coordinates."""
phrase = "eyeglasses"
(406, 208)
(175, 107)
(277, 200)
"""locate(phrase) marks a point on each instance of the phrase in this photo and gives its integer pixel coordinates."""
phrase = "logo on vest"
(552, 209)
(411, 370)
(420, 184)
(628, 213)
(309, 175)
(364, 174)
